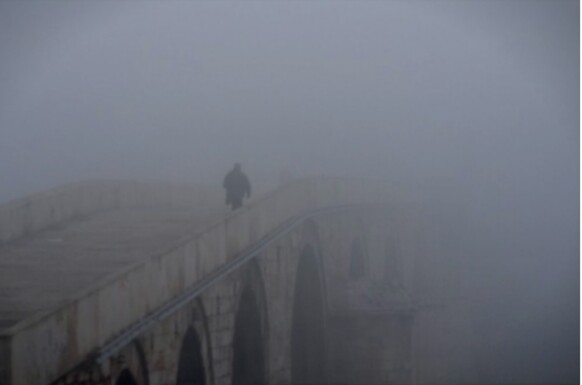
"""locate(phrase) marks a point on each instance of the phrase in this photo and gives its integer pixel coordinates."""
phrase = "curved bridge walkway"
(151, 283)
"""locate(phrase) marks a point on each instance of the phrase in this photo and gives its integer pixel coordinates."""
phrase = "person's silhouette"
(237, 185)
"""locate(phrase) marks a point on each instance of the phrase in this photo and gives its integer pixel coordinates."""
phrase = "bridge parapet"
(23, 216)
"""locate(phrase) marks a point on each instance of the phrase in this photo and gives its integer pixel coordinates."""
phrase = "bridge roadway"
(42, 272)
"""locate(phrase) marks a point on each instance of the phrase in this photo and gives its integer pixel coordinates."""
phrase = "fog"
(473, 105)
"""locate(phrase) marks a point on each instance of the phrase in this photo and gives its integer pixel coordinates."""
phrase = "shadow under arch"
(307, 331)
(126, 378)
(248, 363)
(191, 363)
(135, 369)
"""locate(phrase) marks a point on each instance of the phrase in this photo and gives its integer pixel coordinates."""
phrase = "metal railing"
(170, 307)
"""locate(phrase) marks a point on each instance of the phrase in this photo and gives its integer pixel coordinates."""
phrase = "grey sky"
(477, 98)
(183, 89)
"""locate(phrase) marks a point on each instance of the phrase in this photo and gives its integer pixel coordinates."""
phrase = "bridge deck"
(43, 271)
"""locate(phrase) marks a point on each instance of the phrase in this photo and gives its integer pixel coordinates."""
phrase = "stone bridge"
(128, 283)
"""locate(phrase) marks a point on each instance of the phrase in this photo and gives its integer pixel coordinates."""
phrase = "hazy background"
(474, 104)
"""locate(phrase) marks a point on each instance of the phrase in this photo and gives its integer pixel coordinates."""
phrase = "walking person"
(237, 185)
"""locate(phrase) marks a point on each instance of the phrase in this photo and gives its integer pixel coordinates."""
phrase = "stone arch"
(126, 378)
(131, 365)
(249, 361)
(311, 239)
(308, 345)
(194, 360)
(191, 369)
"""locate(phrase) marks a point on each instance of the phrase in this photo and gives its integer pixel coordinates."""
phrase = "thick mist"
(471, 105)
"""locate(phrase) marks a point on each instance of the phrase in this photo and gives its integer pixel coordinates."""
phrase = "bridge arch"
(308, 352)
(194, 360)
(126, 378)
(191, 364)
(131, 365)
(249, 362)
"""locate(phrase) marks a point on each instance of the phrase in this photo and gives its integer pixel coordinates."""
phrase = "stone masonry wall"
(76, 329)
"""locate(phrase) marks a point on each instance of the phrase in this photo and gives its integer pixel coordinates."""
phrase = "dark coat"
(237, 185)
